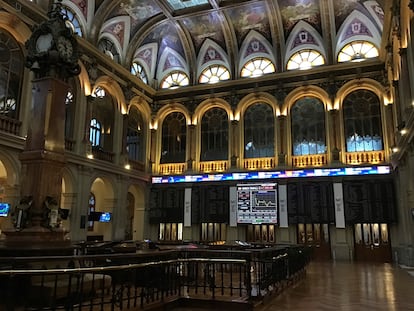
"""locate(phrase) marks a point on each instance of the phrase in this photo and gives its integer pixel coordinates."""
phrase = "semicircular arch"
(306, 91)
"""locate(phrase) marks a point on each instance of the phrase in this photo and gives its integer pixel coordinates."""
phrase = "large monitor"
(4, 209)
(257, 203)
(105, 217)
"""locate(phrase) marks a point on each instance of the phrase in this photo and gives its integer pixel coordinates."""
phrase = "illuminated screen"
(246, 176)
(257, 203)
(105, 217)
(4, 209)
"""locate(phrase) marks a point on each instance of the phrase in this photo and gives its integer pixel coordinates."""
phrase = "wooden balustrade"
(373, 157)
(259, 163)
(69, 144)
(10, 125)
(213, 166)
(102, 155)
(136, 165)
(309, 160)
(172, 168)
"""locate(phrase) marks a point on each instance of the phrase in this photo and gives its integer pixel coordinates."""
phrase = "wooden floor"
(344, 286)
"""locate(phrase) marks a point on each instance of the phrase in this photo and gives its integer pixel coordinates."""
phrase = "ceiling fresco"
(250, 17)
(203, 26)
(184, 26)
(293, 11)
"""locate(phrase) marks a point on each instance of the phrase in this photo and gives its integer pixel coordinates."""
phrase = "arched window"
(91, 211)
(214, 74)
(95, 133)
(103, 116)
(305, 59)
(72, 21)
(362, 120)
(257, 67)
(135, 136)
(259, 131)
(174, 80)
(107, 47)
(214, 135)
(139, 71)
(308, 127)
(174, 139)
(99, 92)
(11, 72)
(357, 51)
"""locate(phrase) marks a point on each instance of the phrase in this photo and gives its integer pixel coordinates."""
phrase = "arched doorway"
(100, 216)
(136, 211)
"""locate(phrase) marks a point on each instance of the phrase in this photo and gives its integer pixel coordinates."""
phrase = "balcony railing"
(259, 163)
(213, 166)
(10, 125)
(103, 155)
(136, 165)
(372, 157)
(309, 160)
(172, 168)
(69, 144)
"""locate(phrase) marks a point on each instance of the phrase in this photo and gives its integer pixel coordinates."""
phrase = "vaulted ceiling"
(187, 35)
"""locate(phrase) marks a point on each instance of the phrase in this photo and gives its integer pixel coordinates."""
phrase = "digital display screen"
(4, 209)
(317, 172)
(257, 203)
(105, 217)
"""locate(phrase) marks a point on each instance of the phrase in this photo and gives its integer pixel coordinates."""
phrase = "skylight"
(184, 4)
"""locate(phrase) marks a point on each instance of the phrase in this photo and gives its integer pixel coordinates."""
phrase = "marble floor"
(346, 286)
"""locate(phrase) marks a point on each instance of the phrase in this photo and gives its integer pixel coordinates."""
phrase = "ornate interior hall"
(210, 121)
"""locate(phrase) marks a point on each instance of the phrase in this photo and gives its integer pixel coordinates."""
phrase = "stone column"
(191, 145)
(333, 131)
(234, 143)
(282, 140)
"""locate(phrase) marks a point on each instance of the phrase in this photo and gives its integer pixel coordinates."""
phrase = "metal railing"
(128, 282)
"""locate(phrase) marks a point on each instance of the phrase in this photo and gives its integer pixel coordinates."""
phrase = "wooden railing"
(10, 125)
(69, 144)
(103, 155)
(259, 163)
(172, 168)
(372, 157)
(213, 166)
(309, 160)
(136, 165)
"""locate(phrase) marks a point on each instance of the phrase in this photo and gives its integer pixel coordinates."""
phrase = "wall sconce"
(403, 131)
(395, 149)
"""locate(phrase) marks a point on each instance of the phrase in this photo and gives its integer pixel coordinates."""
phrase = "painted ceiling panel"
(293, 11)
(166, 36)
(183, 26)
(248, 17)
(83, 7)
(201, 27)
(343, 8)
(139, 11)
